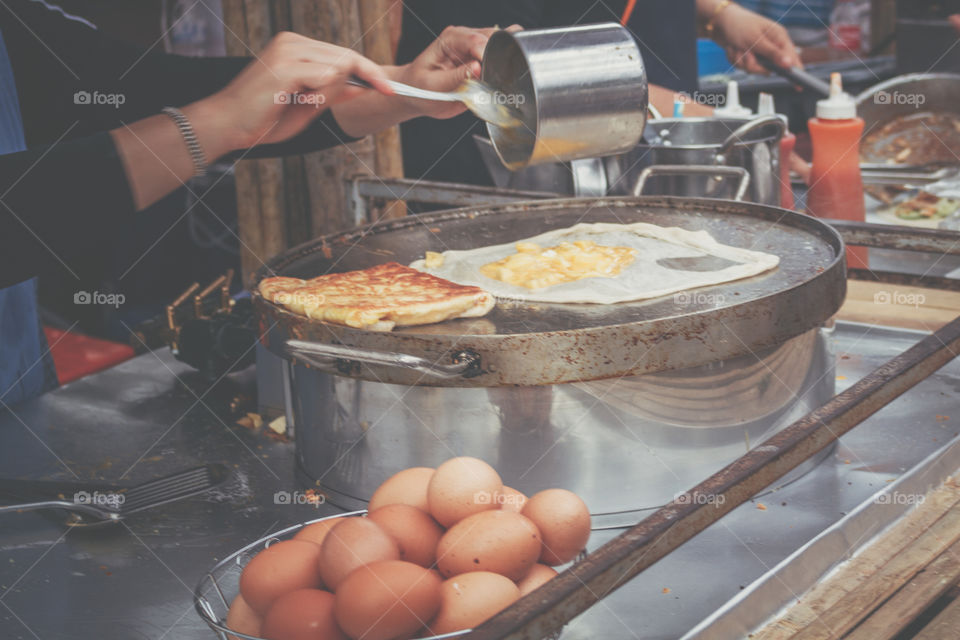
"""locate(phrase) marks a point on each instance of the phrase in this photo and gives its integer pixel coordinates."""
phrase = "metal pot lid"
(537, 343)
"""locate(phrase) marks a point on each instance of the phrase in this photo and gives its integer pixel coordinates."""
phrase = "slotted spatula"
(102, 505)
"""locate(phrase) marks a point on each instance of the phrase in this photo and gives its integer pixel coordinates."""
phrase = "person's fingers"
(955, 21)
(461, 45)
(336, 64)
(745, 60)
(784, 52)
(514, 28)
(373, 73)
(453, 78)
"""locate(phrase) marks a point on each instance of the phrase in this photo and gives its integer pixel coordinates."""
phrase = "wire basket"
(219, 586)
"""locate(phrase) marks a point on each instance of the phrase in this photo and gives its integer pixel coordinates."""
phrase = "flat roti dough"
(378, 298)
(643, 279)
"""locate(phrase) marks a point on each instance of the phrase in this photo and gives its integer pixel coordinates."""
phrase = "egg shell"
(387, 600)
(317, 531)
(503, 542)
(304, 614)
(404, 487)
(564, 523)
(470, 598)
(351, 544)
(538, 575)
(243, 619)
(511, 500)
(415, 532)
(280, 568)
(461, 487)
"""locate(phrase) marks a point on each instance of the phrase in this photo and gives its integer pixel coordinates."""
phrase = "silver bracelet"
(190, 138)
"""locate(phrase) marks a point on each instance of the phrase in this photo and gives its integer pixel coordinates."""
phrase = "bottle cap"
(840, 105)
(766, 108)
(732, 107)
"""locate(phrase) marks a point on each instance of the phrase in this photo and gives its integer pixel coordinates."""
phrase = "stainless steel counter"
(135, 580)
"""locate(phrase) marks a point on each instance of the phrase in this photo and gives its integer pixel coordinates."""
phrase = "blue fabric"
(25, 362)
(810, 13)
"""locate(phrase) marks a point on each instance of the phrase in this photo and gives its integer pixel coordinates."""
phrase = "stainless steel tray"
(811, 563)
(675, 595)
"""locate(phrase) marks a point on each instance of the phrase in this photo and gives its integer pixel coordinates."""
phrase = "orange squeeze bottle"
(836, 186)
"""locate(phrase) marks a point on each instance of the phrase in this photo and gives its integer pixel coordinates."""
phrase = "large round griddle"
(538, 343)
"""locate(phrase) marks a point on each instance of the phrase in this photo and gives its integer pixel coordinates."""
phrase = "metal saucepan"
(582, 92)
(693, 157)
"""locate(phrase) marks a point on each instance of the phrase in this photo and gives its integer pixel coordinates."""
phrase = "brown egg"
(242, 618)
(317, 531)
(414, 531)
(499, 541)
(564, 523)
(511, 499)
(304, 614)
(387, 600)
(461, 487)
(470, 598)
(537, 575)
(280, 568)
(404, 487)
(351, 544)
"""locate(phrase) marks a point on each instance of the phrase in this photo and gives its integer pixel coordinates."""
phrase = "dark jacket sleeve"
(60, 204)
(63, 194)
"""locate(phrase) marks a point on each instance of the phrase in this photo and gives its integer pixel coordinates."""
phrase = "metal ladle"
(477, 96)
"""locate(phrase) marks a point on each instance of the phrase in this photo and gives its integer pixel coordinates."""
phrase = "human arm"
(745, 34)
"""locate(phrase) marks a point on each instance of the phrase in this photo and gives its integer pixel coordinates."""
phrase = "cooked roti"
(378, 298)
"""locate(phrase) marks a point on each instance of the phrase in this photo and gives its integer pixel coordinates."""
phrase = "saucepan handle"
(465, 364)
(695, 169)
(736, 137)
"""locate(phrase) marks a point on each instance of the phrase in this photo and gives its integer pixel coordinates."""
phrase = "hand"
(444, 65)
(277, 95)
(744, 33)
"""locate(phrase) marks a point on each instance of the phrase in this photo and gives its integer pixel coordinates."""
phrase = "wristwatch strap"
(190, 138)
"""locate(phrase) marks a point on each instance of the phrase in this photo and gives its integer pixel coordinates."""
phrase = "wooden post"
(883, 22)
(376, 20)
(282, 202)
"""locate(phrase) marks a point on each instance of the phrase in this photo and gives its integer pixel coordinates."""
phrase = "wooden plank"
(868, 594)
(883, 22)
(246, 175)
(946, 626)
(899, 305)
(862, 566)
(376, 20)
(913, 599)
(337, 22)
